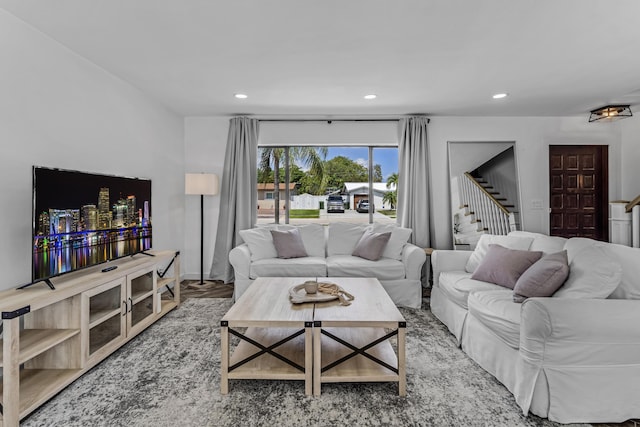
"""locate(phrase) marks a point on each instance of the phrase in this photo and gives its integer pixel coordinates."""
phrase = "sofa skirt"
(448, 312)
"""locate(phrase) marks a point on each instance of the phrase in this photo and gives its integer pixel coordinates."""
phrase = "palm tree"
(311, 157)
(392, 196)
(392, 180)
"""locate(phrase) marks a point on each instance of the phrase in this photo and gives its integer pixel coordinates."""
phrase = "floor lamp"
(203, 184)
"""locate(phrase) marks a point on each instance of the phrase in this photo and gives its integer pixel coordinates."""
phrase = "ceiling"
(320, 57)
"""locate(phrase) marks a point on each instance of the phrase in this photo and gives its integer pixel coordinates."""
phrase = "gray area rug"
(169, 376)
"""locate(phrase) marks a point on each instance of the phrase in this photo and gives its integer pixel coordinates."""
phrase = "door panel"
(578, 185)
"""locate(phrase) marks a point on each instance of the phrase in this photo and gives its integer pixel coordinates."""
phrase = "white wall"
(630, 157)
(60, 110)
(532, 136)
(205, 144)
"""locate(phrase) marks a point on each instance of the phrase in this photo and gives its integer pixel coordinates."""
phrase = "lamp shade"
(201, 183)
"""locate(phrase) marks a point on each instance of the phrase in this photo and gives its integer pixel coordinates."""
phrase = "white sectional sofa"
(329, 250)
(571, 357)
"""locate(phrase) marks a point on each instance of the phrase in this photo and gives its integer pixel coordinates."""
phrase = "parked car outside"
(335, 204)
(363, 206)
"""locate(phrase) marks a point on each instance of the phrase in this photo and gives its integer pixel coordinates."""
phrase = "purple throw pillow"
(544, 277)
(288, 243)
(504, 266)
(371, 245)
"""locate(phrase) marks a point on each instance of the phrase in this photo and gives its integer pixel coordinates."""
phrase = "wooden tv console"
(52, 337)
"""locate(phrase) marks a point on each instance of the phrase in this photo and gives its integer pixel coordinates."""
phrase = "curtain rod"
(328, 120)
(332, 120)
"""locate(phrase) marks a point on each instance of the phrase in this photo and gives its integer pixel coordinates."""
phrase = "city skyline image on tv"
(81, 219)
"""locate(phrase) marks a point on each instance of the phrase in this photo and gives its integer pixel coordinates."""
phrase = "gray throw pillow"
(544, 277)
(288, 243)
(504, 266)
(371, 245)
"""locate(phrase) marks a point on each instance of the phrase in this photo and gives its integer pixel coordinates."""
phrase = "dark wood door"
(578, 181)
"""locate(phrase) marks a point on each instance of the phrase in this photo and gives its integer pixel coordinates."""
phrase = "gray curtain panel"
(238, 193)
(413, 179)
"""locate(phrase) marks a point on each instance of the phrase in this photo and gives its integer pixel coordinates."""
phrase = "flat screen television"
(82, 219)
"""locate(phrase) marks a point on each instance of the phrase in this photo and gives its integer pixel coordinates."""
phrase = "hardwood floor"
(210, 289)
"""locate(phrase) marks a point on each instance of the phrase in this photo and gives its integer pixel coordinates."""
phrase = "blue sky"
(387, 158)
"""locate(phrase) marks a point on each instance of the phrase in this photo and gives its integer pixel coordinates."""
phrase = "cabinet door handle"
(130, 305)
(124, 303)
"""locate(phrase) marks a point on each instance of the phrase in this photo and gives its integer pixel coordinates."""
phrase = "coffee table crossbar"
(264, 349)
(360, 350)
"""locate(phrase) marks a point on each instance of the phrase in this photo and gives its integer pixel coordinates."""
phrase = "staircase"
(483, 211)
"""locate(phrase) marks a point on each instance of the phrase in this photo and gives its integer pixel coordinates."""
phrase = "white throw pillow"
(343, 237)
(399, 238)
(313, 239)
(260, 243)
(592, 274)
(509, 242)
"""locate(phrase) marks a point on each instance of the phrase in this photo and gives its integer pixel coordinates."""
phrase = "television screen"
(82, 219)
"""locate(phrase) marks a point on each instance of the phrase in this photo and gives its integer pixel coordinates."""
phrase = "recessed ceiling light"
(500, 95)
(371, 96)
(240, 96)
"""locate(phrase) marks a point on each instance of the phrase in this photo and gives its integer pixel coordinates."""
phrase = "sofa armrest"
(448, 260)
(240, 259)
(413, 258)
(563, 331)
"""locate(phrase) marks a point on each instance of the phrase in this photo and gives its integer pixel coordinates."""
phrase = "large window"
(325, 184)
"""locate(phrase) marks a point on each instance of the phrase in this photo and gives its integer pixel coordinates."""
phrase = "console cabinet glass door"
(106, 309)
(141, 302)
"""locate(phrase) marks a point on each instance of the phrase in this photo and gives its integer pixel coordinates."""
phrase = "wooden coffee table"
(314, 342)
(277, 341)
(352, 343)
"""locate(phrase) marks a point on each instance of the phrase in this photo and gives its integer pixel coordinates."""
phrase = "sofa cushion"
(343, 237)
(544, 277)
(504, 266)
(314, 239)
(542, 242)
(399, 238)
(592, 274)
(497, 311)
(260, 243)
(629, 258)
(293, 267)
(629, 287)
(456, 285)
(371, 245)
(353, 266)
(509, 242)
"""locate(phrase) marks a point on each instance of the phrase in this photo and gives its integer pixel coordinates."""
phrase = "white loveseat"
(571, 357)
(329, 250)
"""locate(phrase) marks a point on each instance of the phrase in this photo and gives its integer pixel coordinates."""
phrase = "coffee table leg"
(308, 358)
(224, 350)
(317, 359)
(402, 374)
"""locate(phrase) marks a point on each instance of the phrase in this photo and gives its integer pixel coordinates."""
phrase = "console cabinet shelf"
(52, 337)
